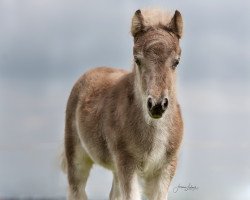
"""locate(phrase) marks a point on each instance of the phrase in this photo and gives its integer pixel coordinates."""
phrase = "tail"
(63, 161)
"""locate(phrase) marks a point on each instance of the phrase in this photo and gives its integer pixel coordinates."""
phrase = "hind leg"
(78, 164)
(78, 173)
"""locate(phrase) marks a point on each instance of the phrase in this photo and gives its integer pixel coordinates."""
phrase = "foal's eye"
(176, 62)
(138, 62)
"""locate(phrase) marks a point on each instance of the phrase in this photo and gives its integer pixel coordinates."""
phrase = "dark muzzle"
(157, 109)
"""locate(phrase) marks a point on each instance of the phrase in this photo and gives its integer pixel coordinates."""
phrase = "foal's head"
(156, 56)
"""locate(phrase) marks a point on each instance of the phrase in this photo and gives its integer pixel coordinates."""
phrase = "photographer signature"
(189, 187)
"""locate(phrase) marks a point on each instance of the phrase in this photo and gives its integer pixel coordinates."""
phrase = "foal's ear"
(176, 24)
(137, 23)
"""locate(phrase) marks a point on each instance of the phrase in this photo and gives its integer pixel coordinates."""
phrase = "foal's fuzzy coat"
(108, 121)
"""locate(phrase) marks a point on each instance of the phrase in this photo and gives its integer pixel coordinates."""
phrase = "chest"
(155, 158)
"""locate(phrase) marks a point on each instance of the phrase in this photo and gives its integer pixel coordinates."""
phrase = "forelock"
(156, 17)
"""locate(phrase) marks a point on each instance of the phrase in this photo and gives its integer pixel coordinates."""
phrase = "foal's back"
(96, 83)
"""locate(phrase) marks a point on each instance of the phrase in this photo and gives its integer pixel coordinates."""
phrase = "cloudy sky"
(46, 45)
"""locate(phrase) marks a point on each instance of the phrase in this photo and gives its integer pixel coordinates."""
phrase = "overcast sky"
(46, 45)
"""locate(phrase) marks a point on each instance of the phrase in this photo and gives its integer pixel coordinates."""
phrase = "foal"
(129, 122)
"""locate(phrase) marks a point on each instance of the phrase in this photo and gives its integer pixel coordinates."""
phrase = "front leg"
(157, 185)
(127, 177)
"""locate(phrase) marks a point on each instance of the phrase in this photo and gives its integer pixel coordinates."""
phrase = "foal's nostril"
(164, 104)
(150, 103)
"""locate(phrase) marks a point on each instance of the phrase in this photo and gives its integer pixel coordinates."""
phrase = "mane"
(153, 17)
